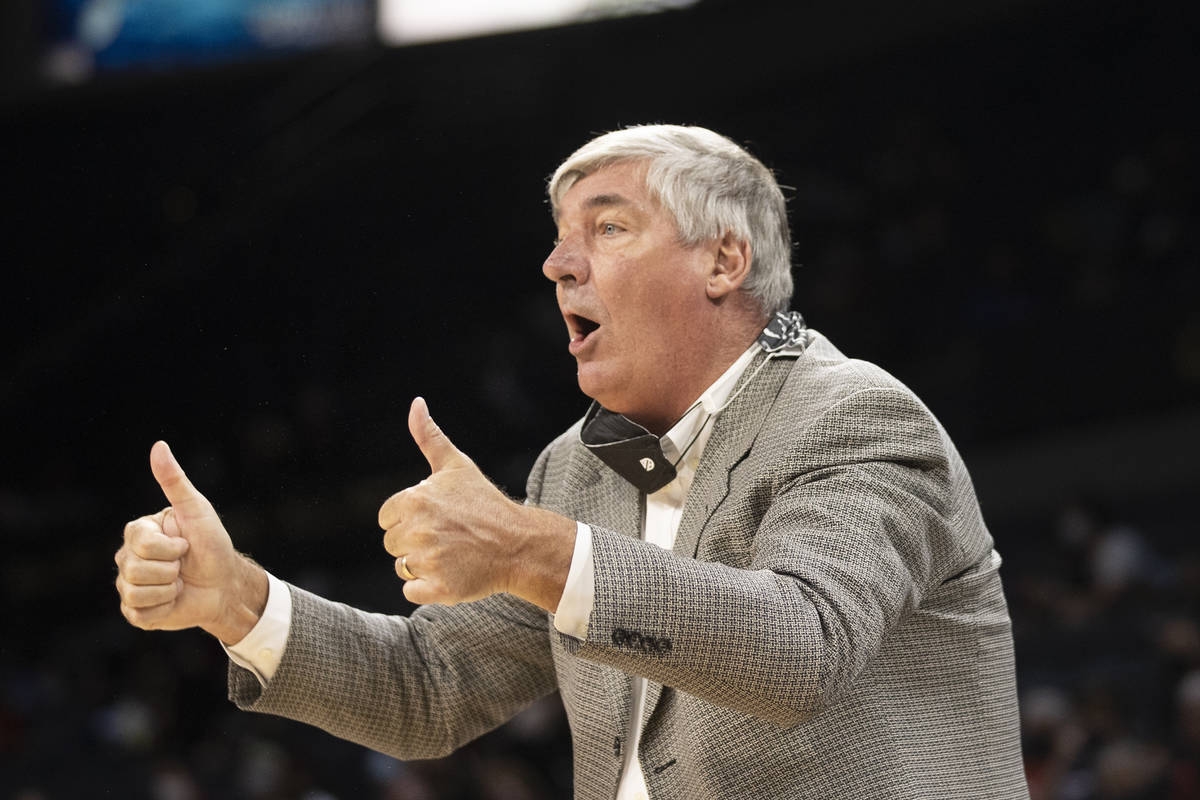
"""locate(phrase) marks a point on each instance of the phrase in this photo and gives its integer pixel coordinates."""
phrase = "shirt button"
(266, 652)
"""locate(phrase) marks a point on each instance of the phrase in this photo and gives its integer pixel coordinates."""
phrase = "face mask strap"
(636, 454)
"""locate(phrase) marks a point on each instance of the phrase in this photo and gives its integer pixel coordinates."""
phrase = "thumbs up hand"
(178, 568)
(457, 538)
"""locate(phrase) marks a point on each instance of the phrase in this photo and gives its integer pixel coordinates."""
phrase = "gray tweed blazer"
(830, 623)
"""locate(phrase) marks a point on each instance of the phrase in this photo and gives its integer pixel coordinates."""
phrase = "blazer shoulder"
(551, 460)
(823, 376)
(837, 409)
(563, 444)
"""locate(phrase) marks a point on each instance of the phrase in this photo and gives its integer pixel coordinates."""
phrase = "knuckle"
(389, 512)
(443, 559)
(141, 542)
(418, 500)
(438, 593)
(156, 546)
(132, 572)
(418, 592)
(145, 596)
(130, 569)
(135, 616)
(148, 572)
(134, 530)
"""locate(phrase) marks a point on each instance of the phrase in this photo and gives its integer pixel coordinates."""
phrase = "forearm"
(414, 687)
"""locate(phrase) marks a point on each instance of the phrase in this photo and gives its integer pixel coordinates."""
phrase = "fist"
(451, 534)
(457, 538)
(178, 568)
(148, 571)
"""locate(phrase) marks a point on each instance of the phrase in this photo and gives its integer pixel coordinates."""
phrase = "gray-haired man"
(754, 567)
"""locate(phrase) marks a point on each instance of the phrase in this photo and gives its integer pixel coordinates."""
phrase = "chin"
(600, 387)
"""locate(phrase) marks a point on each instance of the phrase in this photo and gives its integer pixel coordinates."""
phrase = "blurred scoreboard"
(90, 37)
(85, 37)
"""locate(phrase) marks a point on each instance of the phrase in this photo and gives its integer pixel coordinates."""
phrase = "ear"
(730, 268)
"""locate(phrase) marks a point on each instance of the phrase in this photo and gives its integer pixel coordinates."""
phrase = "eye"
(609, 228)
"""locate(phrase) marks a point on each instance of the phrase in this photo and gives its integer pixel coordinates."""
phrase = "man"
(755, 567)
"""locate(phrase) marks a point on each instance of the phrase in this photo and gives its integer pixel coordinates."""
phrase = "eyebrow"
(599, 201)
(604, 201)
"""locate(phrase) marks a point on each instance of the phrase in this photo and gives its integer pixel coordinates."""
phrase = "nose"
(566, 263)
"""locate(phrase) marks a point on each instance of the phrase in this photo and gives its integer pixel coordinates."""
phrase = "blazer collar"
(733, 434)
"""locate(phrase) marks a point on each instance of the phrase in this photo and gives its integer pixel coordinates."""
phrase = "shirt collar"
(690, 425)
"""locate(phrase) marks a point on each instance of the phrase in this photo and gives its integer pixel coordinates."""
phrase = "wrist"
(243, 602)
(542, 560)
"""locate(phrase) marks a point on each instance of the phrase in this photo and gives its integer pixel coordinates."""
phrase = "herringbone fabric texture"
(830, 624)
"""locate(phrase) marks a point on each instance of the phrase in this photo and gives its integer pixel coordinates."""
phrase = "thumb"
(439, 451)
(170, 476)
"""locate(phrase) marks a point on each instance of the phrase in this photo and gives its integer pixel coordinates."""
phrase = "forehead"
(620, 184)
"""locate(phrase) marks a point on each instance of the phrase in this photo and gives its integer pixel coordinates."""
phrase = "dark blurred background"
(258, 234)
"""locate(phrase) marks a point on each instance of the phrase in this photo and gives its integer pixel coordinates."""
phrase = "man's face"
(630, 294)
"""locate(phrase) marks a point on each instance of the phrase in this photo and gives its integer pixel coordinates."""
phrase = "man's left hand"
(463, 539)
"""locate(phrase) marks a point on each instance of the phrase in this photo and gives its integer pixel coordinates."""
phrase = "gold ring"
(405, 572)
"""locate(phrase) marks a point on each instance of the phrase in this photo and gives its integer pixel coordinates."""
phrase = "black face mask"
(635, 453)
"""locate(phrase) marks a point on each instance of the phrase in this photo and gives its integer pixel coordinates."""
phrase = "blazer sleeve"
(411, 687)
(854, 518)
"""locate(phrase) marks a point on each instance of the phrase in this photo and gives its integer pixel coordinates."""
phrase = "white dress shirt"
(261, 650)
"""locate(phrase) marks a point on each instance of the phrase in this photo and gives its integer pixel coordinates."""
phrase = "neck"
(720, 349)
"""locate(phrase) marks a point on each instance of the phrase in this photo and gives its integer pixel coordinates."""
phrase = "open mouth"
(581, 327)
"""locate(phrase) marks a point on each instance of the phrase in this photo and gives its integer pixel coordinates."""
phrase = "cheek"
(638, 290)
(651, 299)
(666, 302)
(638, 318)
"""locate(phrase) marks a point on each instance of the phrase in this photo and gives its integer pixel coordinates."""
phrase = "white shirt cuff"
(262, 648)
(579, 594)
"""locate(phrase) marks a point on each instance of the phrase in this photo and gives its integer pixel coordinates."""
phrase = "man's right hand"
(178, 568)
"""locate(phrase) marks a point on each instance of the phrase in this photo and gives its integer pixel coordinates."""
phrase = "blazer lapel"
(733, 434)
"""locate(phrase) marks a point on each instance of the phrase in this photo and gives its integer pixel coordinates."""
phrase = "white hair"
(710, 186)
